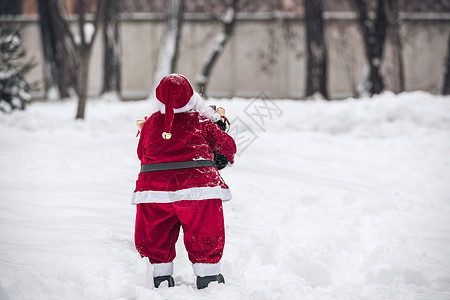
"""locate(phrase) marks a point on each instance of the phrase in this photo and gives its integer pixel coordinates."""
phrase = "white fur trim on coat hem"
(202, 270)
(199, 193)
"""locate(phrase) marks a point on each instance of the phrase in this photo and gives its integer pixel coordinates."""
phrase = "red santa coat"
(194, 137)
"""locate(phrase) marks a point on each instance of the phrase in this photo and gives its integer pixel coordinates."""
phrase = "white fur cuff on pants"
(163, 269)
(203, 270)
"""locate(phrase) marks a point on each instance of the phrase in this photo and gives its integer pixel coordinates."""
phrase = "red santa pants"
(158, 226)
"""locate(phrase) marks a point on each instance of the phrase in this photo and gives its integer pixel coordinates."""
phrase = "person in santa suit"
(180, 186)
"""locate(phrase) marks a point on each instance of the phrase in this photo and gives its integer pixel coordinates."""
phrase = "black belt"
(177, 165)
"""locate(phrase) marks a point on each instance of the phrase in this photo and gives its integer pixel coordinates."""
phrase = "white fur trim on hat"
(197, 103)
(190, 105)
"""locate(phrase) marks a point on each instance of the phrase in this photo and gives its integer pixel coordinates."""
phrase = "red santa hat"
(174, 94)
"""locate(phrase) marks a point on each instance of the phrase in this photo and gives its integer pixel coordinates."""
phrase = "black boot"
(202, 282)
(159, 279)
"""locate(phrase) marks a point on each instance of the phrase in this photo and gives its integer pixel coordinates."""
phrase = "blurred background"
(286, 48)
(343, 199)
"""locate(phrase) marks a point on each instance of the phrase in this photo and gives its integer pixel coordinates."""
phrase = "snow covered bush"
(14, 89)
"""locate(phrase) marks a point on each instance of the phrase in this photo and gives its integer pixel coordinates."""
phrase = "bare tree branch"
(111, 44)
(168, 51)
(99, 15)
(84, 53)
(228, 20)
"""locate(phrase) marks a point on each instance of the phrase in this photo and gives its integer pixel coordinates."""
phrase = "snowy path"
(342, 200)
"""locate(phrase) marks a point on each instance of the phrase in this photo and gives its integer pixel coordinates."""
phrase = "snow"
(5, 106)
(4, 75)
(332, 200)
(229, 15)
(24, 95)
(89, 30)
(77, 39)
(53, 93)
(16, 102)
(111, 96)
(218, 47)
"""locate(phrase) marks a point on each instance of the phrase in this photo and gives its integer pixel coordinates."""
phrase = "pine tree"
(14, 89)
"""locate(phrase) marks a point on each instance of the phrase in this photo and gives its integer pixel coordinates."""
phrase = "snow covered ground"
(332, 200)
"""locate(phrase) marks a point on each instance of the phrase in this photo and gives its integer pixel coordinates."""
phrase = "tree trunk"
(59, 53)
(83, 82)
(229, 21)
(111, 74)
(68, 53)
(446, 86)
(168, 52)
(374, 33)
(49, 48)
(84, 52)
(316, 78)
(397, 82)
